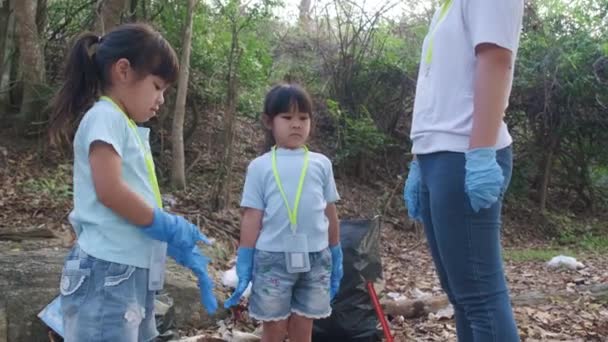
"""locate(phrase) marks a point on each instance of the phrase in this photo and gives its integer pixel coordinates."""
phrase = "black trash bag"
(353, 316)
(164, 313)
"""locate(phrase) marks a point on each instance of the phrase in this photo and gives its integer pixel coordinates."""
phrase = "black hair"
(285, 98)
(87, 70)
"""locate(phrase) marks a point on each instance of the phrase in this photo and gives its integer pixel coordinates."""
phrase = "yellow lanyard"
(147, 155)
(428, 58)
(293, 214)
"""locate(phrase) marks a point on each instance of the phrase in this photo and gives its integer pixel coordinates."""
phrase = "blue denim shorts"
(105, 301)
(276, 294)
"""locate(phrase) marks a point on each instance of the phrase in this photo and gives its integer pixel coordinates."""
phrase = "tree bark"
(546, 167)
(108, 15)
(222, 193)
(304, 19)
(31, 60)
(133, 10)
(29, 280)
(7, 36)
(41, 16)
(178, 174)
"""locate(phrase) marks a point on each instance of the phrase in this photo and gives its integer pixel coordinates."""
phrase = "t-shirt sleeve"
(253, 190)
(108, 127)
(330, 190)
(495, 22)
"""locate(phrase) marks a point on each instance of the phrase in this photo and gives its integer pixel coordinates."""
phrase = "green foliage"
(361, 70)
(590, 235)
(536, 255)
(213, 26)
(358, 136)
(556, 112)
(56, 185)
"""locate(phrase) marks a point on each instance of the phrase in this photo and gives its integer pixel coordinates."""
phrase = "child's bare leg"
(300, 328)
(274, 331)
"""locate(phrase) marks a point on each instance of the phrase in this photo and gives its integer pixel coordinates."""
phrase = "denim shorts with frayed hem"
(105, 301)
(276, 294)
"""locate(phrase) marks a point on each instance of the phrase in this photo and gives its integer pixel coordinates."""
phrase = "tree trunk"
(304, 19)
(178, 174)
(41, 16)
(546, 166)
(144, 9)
(423, 306)
(31, 60)
(133, 10)
(7, 36)
(222, 195)
(29, 280)
(108, 15)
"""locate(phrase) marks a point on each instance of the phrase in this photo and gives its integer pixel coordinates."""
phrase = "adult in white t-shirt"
(463, 157)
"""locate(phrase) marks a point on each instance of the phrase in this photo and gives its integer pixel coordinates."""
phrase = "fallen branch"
(39, 232)
(424, 306)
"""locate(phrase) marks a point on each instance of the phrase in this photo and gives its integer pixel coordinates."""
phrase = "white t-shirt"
(443, 108)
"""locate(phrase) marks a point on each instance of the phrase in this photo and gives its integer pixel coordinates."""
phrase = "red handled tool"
(379, 312)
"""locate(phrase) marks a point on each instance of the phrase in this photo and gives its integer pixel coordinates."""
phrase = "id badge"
(296, 253)
(158, 257)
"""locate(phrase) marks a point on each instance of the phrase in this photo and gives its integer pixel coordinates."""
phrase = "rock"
(29, 280)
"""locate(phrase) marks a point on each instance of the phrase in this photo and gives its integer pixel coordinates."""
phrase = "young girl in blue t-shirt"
(110, 276)
(289, 246)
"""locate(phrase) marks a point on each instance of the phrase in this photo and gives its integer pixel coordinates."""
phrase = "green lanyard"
(147, 155)
(293, 214)
(428, 58)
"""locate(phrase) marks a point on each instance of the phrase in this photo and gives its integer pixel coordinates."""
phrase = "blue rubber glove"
(411, 191)
(174, 230)
(197, 262)
(483, 180)
(244, 271)
(337, 270)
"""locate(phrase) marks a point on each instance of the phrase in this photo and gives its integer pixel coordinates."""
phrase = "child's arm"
(334, 226)
(337, 271)
(115, 194)
(251, 223)
(111, 190)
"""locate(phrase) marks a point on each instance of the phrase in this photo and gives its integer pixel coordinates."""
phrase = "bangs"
(158, 58)
(287, 99)
(165, 64)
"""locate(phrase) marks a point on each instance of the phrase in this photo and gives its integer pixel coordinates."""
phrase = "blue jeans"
(105, 301)
(465, 246)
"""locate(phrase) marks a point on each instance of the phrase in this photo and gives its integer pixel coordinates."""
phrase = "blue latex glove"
(411, 191)
(174, 230)
(337, 270)
(483, 177)
(244, 271)
(197, 262)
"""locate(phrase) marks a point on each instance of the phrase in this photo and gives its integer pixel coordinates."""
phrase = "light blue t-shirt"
(101, 232)
(261, 192)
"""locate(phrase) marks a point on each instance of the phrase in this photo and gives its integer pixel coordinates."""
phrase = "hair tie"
(93, 47)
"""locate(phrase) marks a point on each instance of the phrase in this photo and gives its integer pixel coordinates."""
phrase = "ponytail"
(88, 66)
(82, 82)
